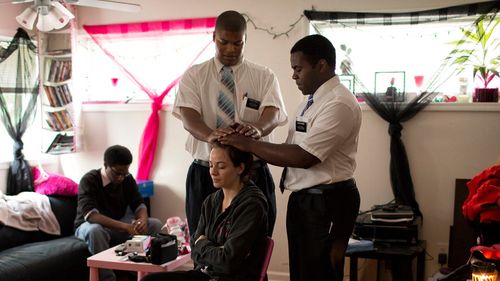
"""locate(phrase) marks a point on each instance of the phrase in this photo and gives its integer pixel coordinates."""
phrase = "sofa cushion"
(64, 208)
(53, 184)
(58, 259)
(12, 237)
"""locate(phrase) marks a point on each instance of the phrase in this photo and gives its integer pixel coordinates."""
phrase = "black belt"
(319, 189)
(256, 164)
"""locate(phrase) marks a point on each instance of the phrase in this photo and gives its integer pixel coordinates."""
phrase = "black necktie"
(285, 169)
(282, 179)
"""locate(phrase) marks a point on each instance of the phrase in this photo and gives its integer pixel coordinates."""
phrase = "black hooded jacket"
(235, 244)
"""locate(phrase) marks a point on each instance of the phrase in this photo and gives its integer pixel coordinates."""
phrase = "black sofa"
(37, 256)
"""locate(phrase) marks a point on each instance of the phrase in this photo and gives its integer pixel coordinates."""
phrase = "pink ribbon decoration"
(103, 33)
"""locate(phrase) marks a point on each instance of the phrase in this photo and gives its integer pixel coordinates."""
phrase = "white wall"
(442, 145)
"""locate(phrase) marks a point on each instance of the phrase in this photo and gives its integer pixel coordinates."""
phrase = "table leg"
(353, 270)
(94, 274)
(402, 269)
(378, 269)
(140, 275)
(421, 266)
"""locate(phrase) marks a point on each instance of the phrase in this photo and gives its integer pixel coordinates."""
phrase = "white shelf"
(58, 130)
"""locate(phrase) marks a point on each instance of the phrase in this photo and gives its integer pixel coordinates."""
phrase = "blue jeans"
(99, 238)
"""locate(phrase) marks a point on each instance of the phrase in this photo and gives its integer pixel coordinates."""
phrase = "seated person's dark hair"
(316, 47)
(237, 157)
(117, 155)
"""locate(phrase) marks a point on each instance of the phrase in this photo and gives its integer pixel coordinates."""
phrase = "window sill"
(146, 106)
(129, 107)
(452, 106)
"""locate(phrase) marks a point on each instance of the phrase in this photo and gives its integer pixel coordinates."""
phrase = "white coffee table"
(109, 260)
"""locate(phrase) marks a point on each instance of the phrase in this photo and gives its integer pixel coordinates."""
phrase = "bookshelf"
(56, 97)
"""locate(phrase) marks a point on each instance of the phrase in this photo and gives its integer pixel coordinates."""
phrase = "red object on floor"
(491, 253)
(483, 202)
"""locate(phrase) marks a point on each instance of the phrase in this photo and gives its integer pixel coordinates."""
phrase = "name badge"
(301, 124)
(253, 104)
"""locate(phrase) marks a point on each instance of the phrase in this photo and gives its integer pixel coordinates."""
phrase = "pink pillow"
(53, 184)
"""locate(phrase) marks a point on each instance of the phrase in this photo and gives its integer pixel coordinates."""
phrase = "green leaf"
(471, 35)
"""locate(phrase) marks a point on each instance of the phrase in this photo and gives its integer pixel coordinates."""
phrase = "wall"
(442, 144)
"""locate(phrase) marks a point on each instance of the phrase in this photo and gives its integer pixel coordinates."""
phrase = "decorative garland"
(270, 30)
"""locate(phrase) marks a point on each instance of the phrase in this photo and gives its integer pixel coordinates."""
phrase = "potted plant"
(479, 50)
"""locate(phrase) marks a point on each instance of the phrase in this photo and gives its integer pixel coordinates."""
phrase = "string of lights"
(270, 30)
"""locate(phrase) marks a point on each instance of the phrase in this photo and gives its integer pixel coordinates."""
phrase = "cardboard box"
(138, 243)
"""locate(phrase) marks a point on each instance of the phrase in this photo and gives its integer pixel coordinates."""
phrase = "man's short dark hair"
(316, 47)
(231, 21)
(117, 155)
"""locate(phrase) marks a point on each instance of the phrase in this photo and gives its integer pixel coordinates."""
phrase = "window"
(153, 61)
(412, 46)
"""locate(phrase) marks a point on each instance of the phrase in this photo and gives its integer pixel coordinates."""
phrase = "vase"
(485, 95)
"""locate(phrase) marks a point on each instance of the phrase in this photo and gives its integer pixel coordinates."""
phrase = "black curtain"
(397, 111)
(18, 99)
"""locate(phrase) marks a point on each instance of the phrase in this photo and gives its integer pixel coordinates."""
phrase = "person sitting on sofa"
(106, 198)
(231, 233)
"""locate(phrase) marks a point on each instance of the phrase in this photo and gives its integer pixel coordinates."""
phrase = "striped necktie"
(225, 99)
(308, 104)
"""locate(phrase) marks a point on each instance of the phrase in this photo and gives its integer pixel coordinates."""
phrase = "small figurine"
(391, 90)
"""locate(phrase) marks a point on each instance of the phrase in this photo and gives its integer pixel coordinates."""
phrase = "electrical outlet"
(442, 247)
(442, 258)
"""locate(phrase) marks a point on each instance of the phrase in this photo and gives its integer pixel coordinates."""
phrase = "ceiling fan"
(52, 14)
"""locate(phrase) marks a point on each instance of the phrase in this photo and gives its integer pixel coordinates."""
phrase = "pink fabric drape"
(101, 33)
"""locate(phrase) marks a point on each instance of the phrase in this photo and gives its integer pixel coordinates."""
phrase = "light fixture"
(51, 15)
(27, 18)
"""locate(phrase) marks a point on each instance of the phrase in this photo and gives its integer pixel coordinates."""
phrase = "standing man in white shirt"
(249, 97)
(319, 156)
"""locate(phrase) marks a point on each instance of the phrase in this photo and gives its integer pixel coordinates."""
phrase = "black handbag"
(163, 248)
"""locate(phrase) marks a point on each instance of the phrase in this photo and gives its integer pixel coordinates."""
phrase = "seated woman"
(231, 234)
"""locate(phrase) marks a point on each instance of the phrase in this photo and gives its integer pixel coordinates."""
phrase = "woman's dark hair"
(316, 47)
(117, 155)
(237, 157)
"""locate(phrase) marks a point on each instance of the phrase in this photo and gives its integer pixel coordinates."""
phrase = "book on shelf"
(58, 70)
(59, 120)
(58, 52)
(58, 96)
(61, 144)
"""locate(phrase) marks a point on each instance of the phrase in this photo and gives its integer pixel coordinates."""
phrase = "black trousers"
(199, 185)
(319, 222)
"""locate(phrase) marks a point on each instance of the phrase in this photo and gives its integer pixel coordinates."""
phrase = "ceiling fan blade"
(107, 4)
(5, 2)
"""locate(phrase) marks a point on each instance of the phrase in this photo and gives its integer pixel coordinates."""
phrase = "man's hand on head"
(218, 133)
(248, 130)
(237, 140)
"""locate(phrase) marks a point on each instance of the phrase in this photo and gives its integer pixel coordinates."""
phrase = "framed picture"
(348, 81)
(390, 85)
